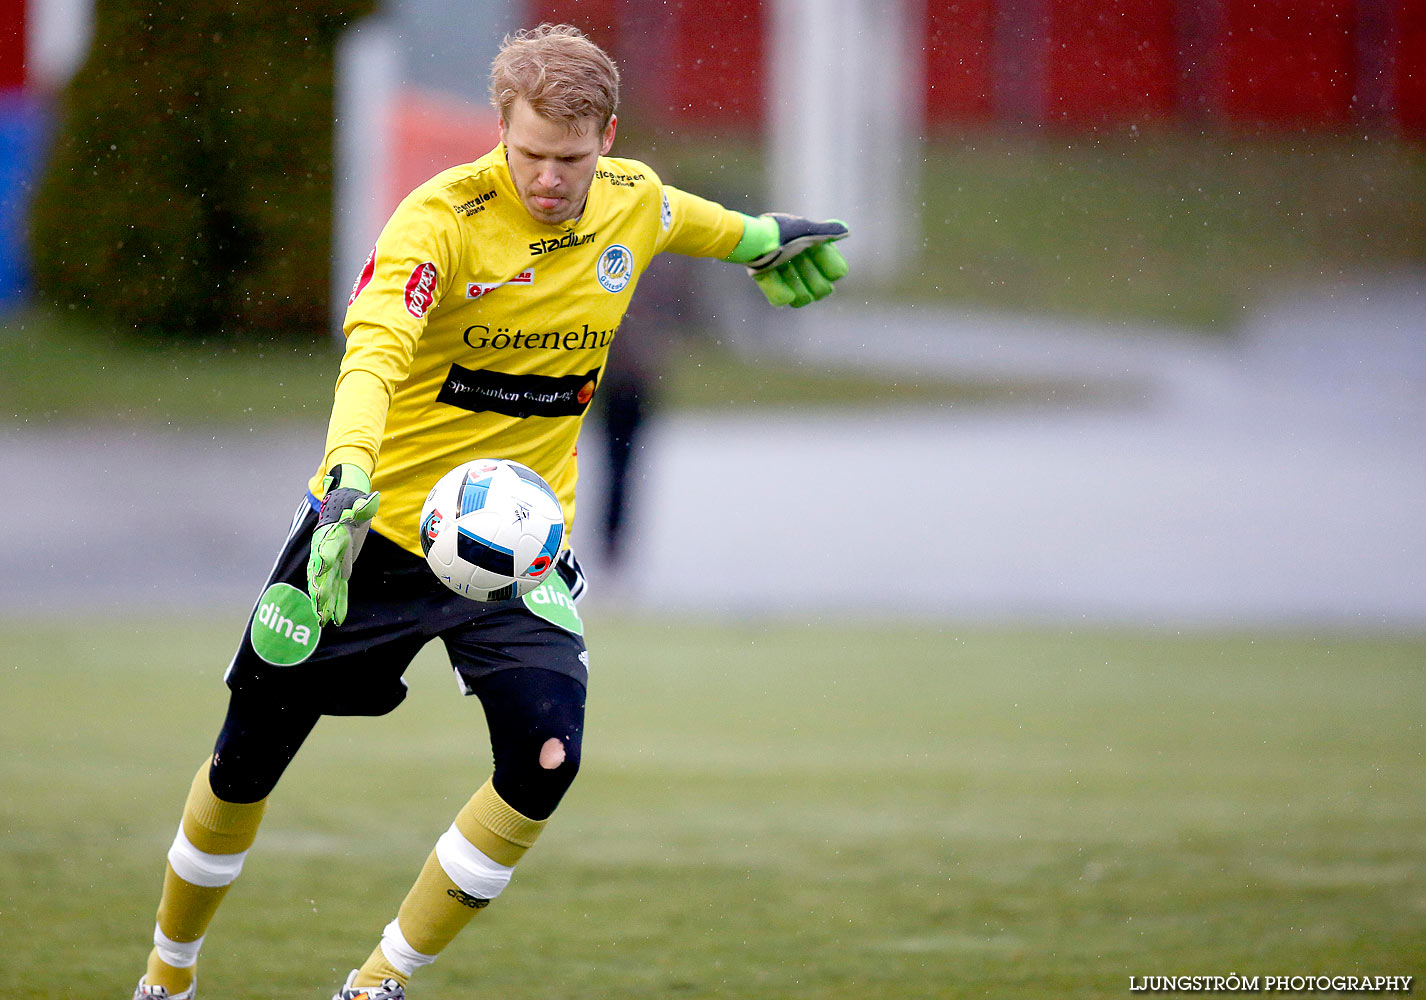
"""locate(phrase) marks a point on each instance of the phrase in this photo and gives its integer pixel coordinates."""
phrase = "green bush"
(189, 188)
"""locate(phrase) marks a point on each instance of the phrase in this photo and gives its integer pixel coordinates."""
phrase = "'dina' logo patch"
(615, 268)
(551, 601)
(284, 631)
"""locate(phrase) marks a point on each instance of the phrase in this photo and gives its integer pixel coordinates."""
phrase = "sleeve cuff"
(760, 236)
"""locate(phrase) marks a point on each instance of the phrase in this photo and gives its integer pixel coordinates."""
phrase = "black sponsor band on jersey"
(485, 391)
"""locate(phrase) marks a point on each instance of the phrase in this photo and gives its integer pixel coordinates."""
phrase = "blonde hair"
(561, 74)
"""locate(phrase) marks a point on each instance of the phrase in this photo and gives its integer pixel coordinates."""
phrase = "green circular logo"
(284, 629)
(551, 601)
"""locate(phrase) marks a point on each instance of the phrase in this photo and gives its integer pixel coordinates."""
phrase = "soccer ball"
(491, 529)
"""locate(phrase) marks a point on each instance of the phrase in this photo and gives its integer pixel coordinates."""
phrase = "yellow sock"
(202, 864)
(487, 839)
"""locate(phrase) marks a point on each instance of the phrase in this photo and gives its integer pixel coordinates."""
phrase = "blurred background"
(1135, 329)
(1046, 608)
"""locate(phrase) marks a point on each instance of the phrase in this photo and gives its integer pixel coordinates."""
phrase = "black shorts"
(395, 606)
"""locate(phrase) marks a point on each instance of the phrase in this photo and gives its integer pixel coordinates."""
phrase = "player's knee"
(534, 781)
(558, 762)
(552, 754)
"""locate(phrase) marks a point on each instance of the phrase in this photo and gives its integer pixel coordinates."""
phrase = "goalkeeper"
(480, 326)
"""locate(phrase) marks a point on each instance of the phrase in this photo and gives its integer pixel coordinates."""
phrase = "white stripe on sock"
(179, 954)
(200, 868)
(398, 951)
(469, 867)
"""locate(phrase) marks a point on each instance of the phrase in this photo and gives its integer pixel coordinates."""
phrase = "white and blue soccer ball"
(491, 529)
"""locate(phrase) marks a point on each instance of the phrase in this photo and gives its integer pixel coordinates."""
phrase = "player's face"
(551, 165)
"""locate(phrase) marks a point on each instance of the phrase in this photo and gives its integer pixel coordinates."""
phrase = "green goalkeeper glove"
(348, 505)
(791, 258)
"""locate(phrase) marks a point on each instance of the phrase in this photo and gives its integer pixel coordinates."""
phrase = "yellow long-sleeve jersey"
(475, 331)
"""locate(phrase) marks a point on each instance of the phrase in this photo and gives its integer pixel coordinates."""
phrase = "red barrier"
(1110, 61)
(1409, 78)
(1286, 62)
(715, 58)
(12, 43)
(960, 84)
(599, 19)
(707, 58)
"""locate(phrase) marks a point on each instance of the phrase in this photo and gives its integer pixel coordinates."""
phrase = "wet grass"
(1186, 230)
(54, 370)
(811, 810)
(57, 369)
(1160, 226)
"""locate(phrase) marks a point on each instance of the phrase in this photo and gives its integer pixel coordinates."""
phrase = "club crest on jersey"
(421, 289)
(475, 289)
(615, 268)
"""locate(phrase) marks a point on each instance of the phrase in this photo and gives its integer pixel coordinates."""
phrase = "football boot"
(389, 989)
(147, 992)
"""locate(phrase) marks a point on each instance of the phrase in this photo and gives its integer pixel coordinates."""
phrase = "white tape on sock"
(469, 867)
(398, 951)
(199, 868)
(179, 954)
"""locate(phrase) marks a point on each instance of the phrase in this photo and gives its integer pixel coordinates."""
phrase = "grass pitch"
(788, 811)
(248, 386)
